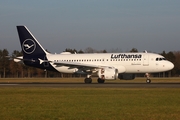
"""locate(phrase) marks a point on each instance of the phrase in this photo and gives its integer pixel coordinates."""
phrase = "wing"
(81, 66)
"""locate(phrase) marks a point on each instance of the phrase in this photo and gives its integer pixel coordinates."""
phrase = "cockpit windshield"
(160, 59)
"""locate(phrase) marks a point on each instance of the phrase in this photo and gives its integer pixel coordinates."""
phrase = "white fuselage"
(124, 62)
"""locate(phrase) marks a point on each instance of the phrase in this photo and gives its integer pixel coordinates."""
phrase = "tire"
(148, 81)
(87, 80)
(99, 80)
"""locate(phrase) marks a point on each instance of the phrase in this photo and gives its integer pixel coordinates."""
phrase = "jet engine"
(108, 73)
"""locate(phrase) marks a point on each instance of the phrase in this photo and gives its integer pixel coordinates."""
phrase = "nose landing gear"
(148, 80)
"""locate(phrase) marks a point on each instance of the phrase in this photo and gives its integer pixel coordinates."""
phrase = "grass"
(89, 103)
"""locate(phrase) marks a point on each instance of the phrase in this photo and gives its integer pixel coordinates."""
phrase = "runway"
(93, 85)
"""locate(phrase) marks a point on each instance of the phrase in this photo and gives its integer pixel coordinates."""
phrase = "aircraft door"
(145, 60)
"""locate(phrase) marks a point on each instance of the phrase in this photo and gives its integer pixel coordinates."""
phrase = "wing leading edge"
(79, 65)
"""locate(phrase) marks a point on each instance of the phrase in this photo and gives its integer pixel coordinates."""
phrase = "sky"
(152, 25)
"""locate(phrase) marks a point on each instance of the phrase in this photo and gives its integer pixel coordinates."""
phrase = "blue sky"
(152, 25)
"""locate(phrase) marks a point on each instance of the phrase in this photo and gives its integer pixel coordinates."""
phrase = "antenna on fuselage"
(145, 51)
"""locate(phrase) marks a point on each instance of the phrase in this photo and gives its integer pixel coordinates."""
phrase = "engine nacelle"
(126, 76)
(108, 73)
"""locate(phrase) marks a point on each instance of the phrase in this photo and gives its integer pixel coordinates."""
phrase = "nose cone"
(170, 65)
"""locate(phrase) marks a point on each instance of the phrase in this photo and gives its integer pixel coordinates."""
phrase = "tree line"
(11, 69)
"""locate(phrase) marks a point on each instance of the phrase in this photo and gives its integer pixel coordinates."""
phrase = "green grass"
(18, 103)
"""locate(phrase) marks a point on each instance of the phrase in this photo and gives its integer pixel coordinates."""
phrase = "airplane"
(107, 66)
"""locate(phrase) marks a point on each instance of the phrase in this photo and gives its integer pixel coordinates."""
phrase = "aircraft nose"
(170, 65)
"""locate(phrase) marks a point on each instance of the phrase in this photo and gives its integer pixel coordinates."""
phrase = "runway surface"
(93, 85)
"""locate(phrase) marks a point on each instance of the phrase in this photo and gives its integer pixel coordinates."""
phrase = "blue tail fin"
(30, 46)
(33, 52)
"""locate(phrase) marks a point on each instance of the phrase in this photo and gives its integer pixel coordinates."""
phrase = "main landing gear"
(88, 79)
(99, 80)
(148, 80)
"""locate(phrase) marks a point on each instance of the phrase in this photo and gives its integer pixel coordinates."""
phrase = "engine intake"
(108, 73)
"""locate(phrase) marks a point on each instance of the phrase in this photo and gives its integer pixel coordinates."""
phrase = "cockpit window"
(160, 59)
(164, 58)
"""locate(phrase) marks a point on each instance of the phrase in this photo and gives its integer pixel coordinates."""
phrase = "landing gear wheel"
(148, 81)
(99, 80)
(88, 80)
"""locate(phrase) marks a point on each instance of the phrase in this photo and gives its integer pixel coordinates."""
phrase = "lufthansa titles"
(125, 56)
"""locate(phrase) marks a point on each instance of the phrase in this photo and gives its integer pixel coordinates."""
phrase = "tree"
(80, 51)
(176, 62)
(104, 51)
(16, 69)
(4, 62)
(71, 50)
(133, 50)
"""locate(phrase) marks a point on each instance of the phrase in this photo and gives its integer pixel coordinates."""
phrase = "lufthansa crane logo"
(28, 46)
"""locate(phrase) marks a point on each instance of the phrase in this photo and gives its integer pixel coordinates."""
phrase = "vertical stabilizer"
(30, 46)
